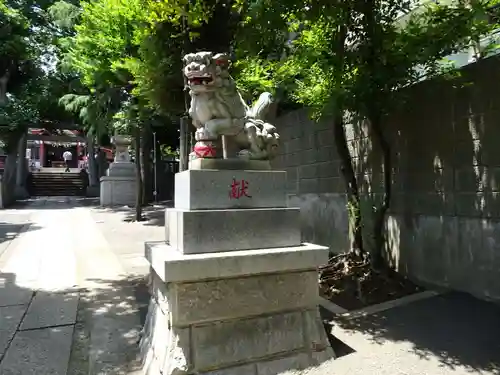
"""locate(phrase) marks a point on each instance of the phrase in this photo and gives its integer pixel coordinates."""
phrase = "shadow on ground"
(102, 339)
(153, 215)
(454, 328)
(339, 347)
(54, 203)
(8, 231)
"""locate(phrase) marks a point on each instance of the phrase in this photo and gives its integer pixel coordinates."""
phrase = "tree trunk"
(381, 211)
(102, 163)
(10, 168)
(9, 178)
(146, 143)
(353, 201)
(138, 175)
(92, 162)
(21, 165)
(347, 169)
(20, 191)
(375, 106)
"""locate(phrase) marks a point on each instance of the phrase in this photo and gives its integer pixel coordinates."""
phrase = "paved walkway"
(73, 297)
(452, 333)
(63, 285)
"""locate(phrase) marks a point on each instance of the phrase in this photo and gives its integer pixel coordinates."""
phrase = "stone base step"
(237, 312)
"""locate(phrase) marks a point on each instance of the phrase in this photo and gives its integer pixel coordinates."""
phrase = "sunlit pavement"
(72, 296)
(60, 283)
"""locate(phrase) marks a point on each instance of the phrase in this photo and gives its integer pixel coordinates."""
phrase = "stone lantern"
(119, 185)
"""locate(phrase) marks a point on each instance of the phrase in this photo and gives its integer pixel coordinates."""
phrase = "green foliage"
(30, 95)
(351, 60)
(131, 52)
(18, 114)
(379, 55)
(64, 15)
(15, 50)
(123, 50)
(255, 76)
(168, 153)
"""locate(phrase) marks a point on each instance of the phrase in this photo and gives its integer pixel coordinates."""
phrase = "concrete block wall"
(309, 157)
(444, 223)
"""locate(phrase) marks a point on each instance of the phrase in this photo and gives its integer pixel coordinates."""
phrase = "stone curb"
(340, 312)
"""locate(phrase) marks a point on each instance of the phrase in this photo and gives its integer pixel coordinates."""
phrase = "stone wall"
(444, 224)
(315, 185)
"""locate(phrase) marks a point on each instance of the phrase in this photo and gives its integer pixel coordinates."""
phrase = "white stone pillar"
(119, 185)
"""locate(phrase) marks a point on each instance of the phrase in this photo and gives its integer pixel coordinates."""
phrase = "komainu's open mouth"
(205, 80)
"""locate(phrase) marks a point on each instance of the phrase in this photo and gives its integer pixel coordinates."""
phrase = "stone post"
(184, 144)
(234, 291)
(119, 185)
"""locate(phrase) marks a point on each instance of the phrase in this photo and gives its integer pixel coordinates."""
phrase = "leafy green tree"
(17, 67)
(353, 59)
(131, 52)
(105, 53)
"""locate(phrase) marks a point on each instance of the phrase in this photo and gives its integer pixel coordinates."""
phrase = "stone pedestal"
(119, 186)
(229, 164)
(234, 292)
(121, 169)
(118, 191)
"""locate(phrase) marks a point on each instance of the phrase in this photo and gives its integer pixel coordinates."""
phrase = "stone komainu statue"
(220, 114)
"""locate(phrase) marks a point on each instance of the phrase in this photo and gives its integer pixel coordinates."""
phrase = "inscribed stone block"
(228, 342)
(213, 189)
(117, 190)
(240, 297)
(206, 231)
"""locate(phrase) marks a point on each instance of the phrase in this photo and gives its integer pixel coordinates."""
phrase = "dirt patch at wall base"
(351, 283)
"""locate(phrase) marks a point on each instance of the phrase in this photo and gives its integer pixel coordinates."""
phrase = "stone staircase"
(56, 184)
